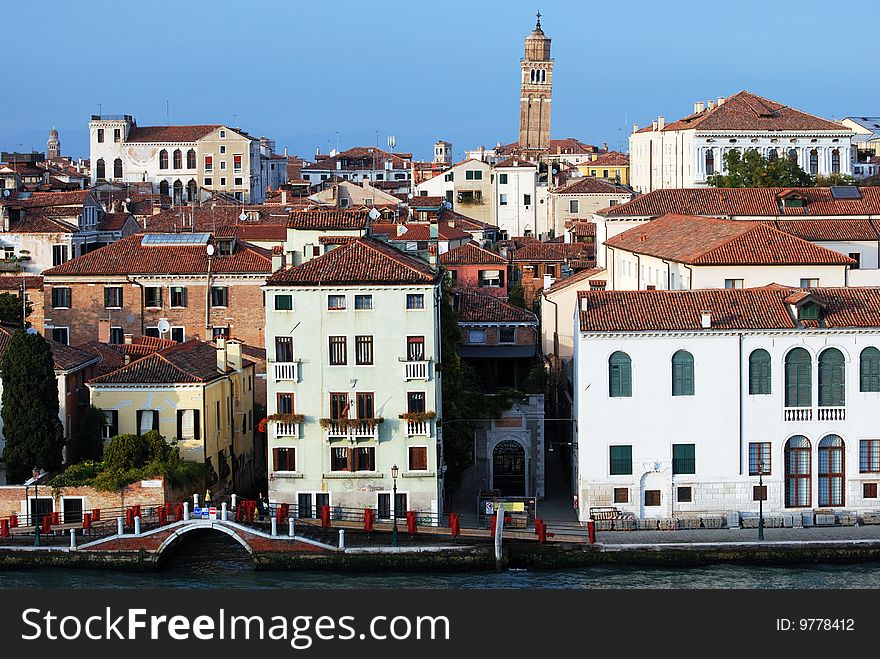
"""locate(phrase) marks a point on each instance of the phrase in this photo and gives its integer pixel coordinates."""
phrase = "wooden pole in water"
(499, 529)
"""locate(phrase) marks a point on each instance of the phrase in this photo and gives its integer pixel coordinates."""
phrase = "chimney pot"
(706, 319)
(635, 128)
(699, 106)
(104, 330)
(583, 304)
(661, 122)
(127, 339)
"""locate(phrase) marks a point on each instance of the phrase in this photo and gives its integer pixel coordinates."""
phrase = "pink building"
(472, 266)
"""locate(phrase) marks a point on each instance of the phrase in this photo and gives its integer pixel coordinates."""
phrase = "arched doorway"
(831, 471)
(798, 472)
(509, 468)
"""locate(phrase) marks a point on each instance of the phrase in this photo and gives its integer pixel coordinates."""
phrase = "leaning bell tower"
(536, 92)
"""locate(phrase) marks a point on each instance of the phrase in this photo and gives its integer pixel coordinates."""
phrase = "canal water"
(215, 562)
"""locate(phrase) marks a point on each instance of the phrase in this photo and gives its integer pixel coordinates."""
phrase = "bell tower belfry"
(537, 90)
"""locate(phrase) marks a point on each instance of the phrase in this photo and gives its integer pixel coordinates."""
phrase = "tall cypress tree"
(31, 427)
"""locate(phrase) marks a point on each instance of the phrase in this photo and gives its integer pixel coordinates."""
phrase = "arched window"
(177, 159)
(100, 169)
(814, 161)
(832, 372)
(710, 161)
(178, 191)
(619, 375)
(543, 75)
(191, 159)
(163, 188)
(532, 75)
(191, 189)
(798, 472)
(792, 155)
(835, 160)
(682, 373)
(117, 168)
(869, 369)
(773, 155)
(831, 472)
(163, 159)
(798, 378)
(759, 372)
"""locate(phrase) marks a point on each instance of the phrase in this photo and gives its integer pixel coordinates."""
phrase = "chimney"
(104, 330)
(233, 354)
(127, 339)
(710, 104)
(635, 128)
(277, 261)
(706, 319)
(699, 106)
(654, 126)
(583, 304)
(661, 121)
(558, 149)
(548, 281)
(283, 197)
(285, 152)
(721, 100)
(221, 354)
(4, 219)
(604, 146)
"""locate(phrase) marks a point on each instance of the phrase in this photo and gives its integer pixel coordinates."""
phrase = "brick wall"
(12, 497)
(243, 316)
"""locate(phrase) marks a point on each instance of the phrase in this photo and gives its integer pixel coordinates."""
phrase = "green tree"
(516, 295)
(33, 432)
(10, 309)
(834, 178)
(89, 441)
(752, 170)
(127, 451)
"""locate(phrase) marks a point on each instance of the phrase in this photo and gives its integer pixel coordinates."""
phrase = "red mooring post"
(13, 521)
(492, 521)
(368, 520)
(47, 524)
(4, 528)
(96, 515)
(411, 522)
(541, 530)
(87, 521)
(591, 531)
(454, 525)
(325, 516)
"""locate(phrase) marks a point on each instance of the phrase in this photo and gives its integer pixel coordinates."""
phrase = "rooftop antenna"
(99, 109)
(337, 142)
(167, 112)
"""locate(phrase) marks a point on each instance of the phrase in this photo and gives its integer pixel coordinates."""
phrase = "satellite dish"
(374, 214)
(243, 216)
(210, 250)
(163, 326)
(6, 193)
(31, 330)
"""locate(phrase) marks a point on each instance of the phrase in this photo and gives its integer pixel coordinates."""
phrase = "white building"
(362, 163)
(467, 186)
(516, 203)
(682, 154)
(681, 252)
(579, 199)
(682, 397)
(354, 389)
(178, 160)
(845, 219)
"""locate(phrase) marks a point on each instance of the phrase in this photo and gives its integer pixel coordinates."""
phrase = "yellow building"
(195, 392)
(613, 166)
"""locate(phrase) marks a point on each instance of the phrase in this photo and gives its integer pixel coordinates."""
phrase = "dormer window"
(794, 202)
(225, 246)
(809, 311)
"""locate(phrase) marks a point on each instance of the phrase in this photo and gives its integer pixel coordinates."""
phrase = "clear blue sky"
(299, 72)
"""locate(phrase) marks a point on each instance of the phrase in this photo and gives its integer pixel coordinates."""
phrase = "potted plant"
(419, 417)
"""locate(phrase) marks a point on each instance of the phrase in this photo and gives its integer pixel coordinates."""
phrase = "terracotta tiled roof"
(581, 229)
(130, 256)
(538, 251)
(422, 231)
(709, 241)
(747, 111)
(730, 309)
(113, 221)
(68, 358)
(328, 219)
(513, 161)
(43, 199)
(471, 254)
(567, 145)
(364, 261)
(109, 357)
(10, 282)
(591, 185)
(478, 307)
(42, 220)
(145, 345)
(745, 202)
(580, 278)
(423, 201)
(170, 133)
(839, 229)
(359, 153)
(189, 362)
(464, 222)
(336, 240)
(610, 159)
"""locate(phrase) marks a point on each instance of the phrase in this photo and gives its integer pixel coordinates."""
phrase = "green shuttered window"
(759, 372)
(682, 373)
(798, 378)
(620, 460)
(619, 375)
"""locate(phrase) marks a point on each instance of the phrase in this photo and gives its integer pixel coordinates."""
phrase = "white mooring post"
(274, 526)
(120, 526)
(290, 527)
(499, 529)
(223, 511)
(137, 525)
(185, 511)
(234, 501)
(195, 500)
(342, 538)
(73, 538)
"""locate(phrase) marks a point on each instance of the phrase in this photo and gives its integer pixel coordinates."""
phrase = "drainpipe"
(668, 275)
(638, 272)
(691, 278)
(741, 404)
(555, 320)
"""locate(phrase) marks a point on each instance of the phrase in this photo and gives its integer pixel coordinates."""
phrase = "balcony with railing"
(286, 371)
(286, 429)
(416, 370)
(351, 428)
(832, 414)
(821, 413)
(418, 428)
(798, 413)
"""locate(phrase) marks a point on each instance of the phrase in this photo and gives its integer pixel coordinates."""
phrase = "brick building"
(132, 285)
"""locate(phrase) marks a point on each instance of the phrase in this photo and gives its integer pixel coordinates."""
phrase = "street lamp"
(394, 472)
(760, 500)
